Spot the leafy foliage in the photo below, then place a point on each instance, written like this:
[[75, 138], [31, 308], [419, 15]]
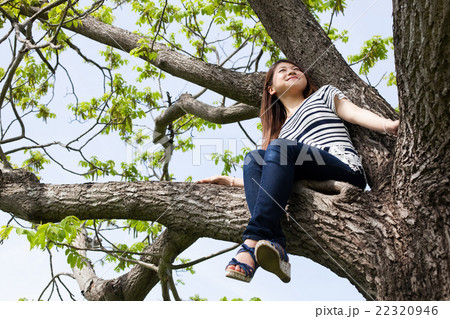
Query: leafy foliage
[[35, 162], [198, 298], [46, 236], [374, 50], [229, 161]]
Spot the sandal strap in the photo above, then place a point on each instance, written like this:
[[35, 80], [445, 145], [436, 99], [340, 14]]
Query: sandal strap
[[249, 250], [249, 270], [281, 251]]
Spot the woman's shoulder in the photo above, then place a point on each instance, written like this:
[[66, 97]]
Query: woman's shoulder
[[323, 90], [327, 87], [329, 90]]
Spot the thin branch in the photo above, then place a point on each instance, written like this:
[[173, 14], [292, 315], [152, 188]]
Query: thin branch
[[236, 3], [22, 126], [172, 287], [159, 25], [246, 134], [4, 159], [11, 73], [380, 79], [196, 96], [79, 16], [28, 41], [71, 295], [44, 59], [54, 160], [197, 261], [17, 222], [86, 59], [5, 3], [7, 35], [71, 84], [51, 272], [367, 79], [331, 18], [186, 104], [137, 262], [54, 277], [365, 56], [42, 146], [165, 290]]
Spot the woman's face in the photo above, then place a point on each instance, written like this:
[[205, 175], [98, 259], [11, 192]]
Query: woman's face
[[287, 79]]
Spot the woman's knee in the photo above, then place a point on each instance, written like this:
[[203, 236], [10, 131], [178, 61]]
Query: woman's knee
[[255, 157], [280, 150]]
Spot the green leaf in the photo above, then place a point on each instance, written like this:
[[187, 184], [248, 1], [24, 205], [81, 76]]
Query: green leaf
[[35, 162], [197, 298], [5, 231], [391, 79], [374, 50]]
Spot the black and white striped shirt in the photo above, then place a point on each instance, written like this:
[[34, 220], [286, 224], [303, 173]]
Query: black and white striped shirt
[[316, 123]]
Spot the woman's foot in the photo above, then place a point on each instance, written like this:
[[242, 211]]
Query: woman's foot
[[272, 257], [244, 257], [243, 265]]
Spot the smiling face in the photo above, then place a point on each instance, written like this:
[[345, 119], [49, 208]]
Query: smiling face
[[287, 79]]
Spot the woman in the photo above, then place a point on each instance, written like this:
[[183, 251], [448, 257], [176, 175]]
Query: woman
[[304, 138]]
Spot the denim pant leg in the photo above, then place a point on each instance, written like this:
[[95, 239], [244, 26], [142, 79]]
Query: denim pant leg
[[269, 177], [253, 164], [268, 184]]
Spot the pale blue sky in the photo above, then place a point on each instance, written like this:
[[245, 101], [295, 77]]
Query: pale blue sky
[[25, 273]]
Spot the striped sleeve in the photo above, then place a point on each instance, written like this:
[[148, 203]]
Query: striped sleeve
[[330, 92]]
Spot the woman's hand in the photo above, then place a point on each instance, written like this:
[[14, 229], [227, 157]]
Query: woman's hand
[[391, 127], [218, 179], [223, 180]]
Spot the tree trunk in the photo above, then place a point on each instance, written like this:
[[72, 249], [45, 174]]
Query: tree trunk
[[420, 198]]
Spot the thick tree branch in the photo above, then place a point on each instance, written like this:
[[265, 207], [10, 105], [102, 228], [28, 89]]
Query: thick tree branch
[[235, 85], [186, 104], [134, 285], [337, 221]]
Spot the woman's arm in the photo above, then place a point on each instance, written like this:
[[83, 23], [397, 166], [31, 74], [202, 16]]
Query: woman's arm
[[223, 180], [353, 114]]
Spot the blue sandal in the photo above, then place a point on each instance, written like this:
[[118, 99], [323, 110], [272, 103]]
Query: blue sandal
[[272, 257], [249, 271]]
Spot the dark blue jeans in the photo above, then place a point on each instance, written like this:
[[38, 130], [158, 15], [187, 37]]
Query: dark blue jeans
[[269, 177]]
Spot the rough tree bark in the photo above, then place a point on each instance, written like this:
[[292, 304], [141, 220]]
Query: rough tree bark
[[391, 242]]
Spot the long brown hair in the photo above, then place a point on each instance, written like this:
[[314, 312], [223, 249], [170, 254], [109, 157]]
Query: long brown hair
[[273, 114]]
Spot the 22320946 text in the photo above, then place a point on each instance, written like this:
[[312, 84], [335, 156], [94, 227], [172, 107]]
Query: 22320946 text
[[406, 310]]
